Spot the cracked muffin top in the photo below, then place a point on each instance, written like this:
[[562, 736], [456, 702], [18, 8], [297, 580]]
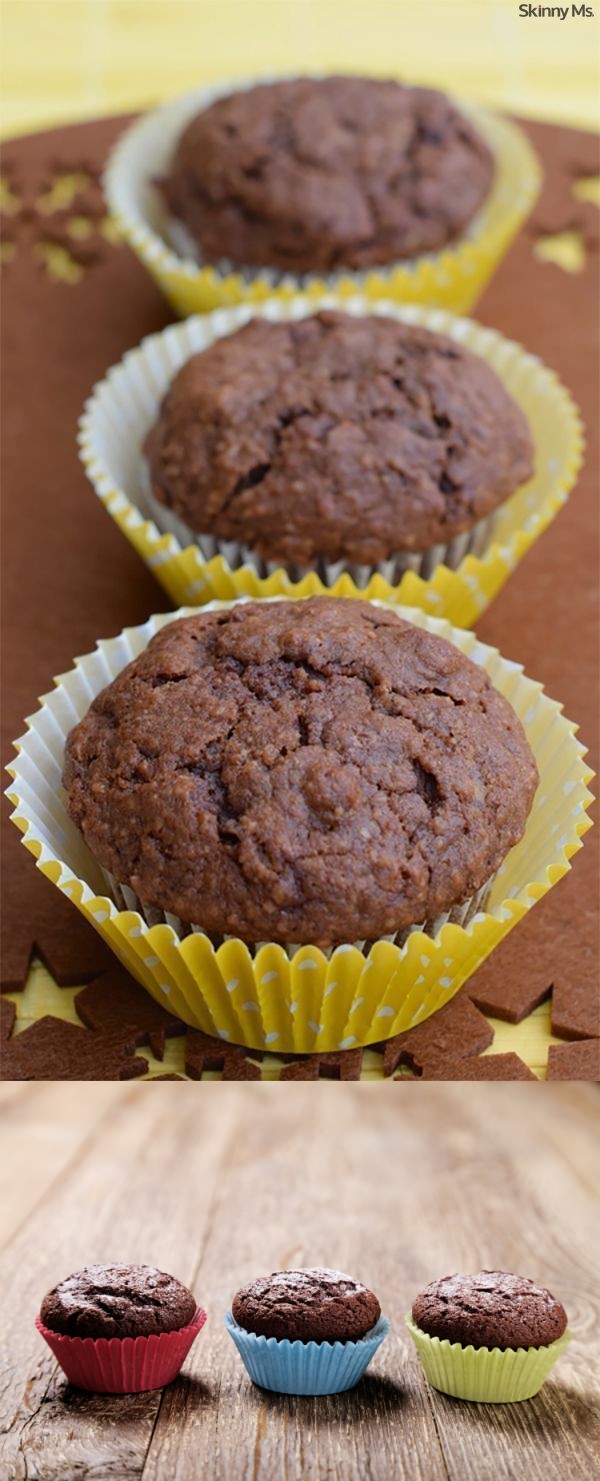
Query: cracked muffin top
[[491, 1309], [307, 1306], [317, 174], [306, 771], [336, 438], [117, 1301]]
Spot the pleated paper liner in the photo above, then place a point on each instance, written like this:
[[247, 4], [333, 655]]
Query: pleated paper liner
[[456, 581], [307, 1001], [234, 554], [460, 915], [123, 1365], [305, 1367], [451, 278], [485, 1375]]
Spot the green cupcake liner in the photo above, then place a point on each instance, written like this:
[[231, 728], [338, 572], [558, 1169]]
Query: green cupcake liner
[[485, 1375]]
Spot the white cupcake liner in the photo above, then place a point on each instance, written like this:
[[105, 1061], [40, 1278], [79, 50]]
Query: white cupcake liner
[[308, 1002], [453, 275], [236, 554], [126, 899], [111, 448]]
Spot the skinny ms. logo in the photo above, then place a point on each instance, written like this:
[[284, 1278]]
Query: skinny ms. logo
[[554, 12]]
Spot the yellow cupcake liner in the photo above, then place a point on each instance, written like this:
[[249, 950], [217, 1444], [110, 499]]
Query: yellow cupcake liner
[[453, 278], [302, 1001], [485, 1375], [111, 450]]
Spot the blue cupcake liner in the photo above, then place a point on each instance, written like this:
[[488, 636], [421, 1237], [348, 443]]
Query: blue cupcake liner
[[305, 1367]]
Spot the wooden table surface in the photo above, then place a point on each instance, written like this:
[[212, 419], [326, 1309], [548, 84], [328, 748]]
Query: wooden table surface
[[240, 1180]]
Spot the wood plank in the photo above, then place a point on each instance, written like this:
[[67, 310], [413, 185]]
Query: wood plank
[[131, 1196], [41, 1135], [574, 1135], [11, 1091], [430, 1153], [228, 1182], [531, 1211], [298, 1161]]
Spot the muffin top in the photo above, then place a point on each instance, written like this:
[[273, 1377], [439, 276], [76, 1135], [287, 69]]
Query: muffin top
[[316, 771], [316, 174], [307, 1306], [492, 1309], [336, 437], [117, 1301]]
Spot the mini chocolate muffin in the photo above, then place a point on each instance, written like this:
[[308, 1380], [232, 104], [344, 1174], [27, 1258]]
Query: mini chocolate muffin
[[316, 174], [336, 438], [306, 1306], [307, 771], [117, 1301], [492, 1309]]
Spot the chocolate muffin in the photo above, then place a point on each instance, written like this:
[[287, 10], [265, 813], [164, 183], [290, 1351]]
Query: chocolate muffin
[[336, 438], [492, 1309], [117, 1301], [316, 771], [315, 174], [307, 1306]]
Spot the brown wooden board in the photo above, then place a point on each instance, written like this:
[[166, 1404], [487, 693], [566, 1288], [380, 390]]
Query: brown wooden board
[[70, 576], [241, 1180]]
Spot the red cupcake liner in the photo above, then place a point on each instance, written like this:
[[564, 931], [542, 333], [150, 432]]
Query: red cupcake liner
[[123, 1365]]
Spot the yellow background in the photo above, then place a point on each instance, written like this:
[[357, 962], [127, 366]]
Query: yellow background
[[72, 59]]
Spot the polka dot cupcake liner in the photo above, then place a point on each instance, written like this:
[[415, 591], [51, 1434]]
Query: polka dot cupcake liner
[[300, 1001], [310, 1368], [123, 1365], [455, 580], [482, 1374], [127, 899], [451, 278]]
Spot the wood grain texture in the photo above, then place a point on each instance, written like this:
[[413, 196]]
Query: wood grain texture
[[40, 1137], [238, 1180]]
